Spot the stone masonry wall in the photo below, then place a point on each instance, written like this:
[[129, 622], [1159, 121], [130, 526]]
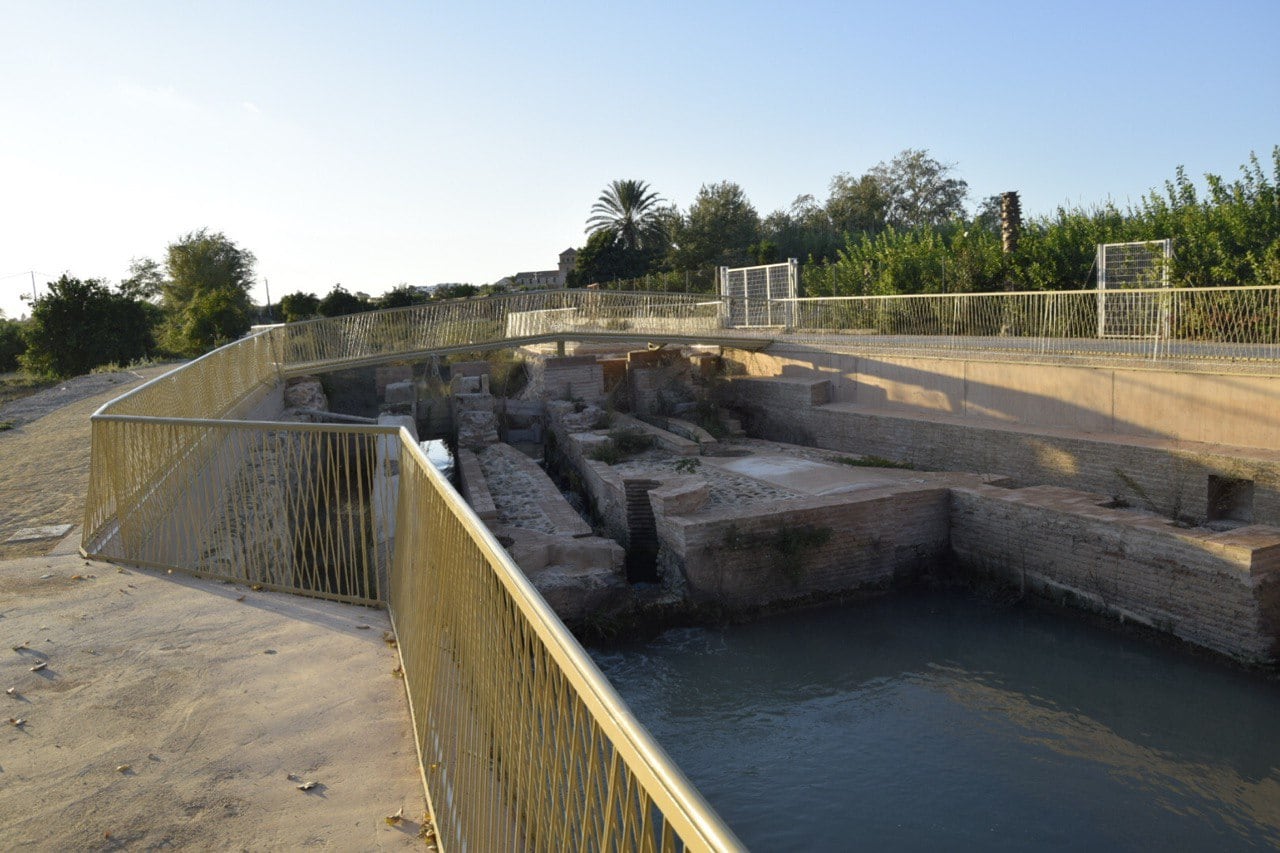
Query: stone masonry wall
[[1216, 590], [1167, 477], [807, 547]]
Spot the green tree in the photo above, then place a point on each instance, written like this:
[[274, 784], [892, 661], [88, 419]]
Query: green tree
[[629, 212], [803, 231], [206, 298], [718, 230], [918, 190], [338, 302], [12, 344], [605, 259], [857, 205], [78, 325], [401, 296], [145, 280], [299, 306], [455, 291]]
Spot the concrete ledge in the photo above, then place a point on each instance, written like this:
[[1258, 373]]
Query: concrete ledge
[[668, 441], [475, 489]]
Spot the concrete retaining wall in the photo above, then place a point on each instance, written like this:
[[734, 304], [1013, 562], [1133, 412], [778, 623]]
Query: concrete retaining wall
[[1172, 478], [1239, 410]]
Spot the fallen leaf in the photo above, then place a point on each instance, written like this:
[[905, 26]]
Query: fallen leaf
[[362, 627], [11, 691], [17, 721], [45, 577], [241, 598], [39, 666], [393, 819], [307, 786], [398, 672], [20, 647], [124, 768], [257, 587]]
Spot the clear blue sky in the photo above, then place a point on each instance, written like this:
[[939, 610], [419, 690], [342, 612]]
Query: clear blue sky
[[378, 143]]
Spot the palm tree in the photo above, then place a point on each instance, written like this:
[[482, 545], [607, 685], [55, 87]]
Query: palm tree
[[629, 210]]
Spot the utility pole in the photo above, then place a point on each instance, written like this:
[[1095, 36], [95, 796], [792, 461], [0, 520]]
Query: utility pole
[[267, 285], [33, 287]]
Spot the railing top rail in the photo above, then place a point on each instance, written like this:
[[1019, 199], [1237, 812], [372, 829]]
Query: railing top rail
[[526, 295], [1004, 293], [672, 793], [276, 426], [151, 383]]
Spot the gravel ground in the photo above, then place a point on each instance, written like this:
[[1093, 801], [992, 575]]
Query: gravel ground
[[41, 403]]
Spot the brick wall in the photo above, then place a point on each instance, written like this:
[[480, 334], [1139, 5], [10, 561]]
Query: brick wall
[[1212, 589], [808, 547]]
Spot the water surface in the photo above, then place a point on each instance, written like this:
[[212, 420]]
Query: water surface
[[931, 720]]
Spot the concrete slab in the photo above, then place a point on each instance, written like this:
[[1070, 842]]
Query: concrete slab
[[810, 477], [47, 531], [173, 712]]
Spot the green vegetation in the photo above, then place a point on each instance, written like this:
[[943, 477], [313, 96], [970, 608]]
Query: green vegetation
[[12, 344], [902, 227], [78, 325], [206, 296], [871, 462], [622, 444], [688, 464]]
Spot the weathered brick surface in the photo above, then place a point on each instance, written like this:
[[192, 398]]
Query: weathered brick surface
[[1217, 590], [573, 378], [816, 545], [1198, 585], [475, 489]]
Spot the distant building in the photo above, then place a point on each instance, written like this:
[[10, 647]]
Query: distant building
[[546, 279]]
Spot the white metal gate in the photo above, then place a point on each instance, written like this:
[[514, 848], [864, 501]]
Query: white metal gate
[[1141, 267], [752, 295]]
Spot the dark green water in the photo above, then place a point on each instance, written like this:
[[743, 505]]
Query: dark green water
[[939, 721]]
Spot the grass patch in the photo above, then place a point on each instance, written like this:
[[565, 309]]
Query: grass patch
[[15, 386], [6, 425], [872, 462], [621, 445]]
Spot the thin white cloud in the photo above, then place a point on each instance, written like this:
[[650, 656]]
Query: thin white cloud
[[251, 107]]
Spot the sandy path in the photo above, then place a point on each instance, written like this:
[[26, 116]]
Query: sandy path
[[44, 462], [210, 701]]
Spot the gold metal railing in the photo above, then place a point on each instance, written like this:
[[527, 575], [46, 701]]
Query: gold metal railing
[[1236, 324], [524, 744]]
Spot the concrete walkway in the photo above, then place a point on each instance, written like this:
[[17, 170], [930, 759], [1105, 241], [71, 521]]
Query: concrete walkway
[[175, 712]]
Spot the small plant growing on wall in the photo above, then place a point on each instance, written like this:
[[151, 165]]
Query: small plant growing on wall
[[791, 543], [622, 444], [630, 442], [872, 462], [688, 464]]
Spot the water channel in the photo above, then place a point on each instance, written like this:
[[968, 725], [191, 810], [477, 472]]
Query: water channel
[[932, 720]]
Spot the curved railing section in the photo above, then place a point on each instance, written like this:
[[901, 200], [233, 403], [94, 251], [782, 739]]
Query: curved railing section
[[523, 743]]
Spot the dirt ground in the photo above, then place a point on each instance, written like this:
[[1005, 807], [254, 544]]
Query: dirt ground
[[176, 712], [44, 458]]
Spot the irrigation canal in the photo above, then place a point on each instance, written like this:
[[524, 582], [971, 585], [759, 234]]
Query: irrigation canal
[[942, 720]]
